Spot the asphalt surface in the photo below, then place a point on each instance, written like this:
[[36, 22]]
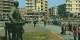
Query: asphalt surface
[[41, 28]]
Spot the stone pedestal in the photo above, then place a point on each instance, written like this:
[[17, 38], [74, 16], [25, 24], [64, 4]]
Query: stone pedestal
[[15, 29], [0, 38]]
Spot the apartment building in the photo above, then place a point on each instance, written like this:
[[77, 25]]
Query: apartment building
[[5, 6], [61, 10], [44, 6], [35, 8], [22, 11], [53, 11], [73, 8]]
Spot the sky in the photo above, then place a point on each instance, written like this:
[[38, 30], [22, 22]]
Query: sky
[[51, 3]]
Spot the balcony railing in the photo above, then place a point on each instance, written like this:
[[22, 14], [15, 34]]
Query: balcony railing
[[6, 9], [29, 3]]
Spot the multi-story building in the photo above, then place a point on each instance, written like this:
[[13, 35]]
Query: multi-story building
[[53, 11], [22, 11], [73, 8], [62, 10], [35, 8], [44, 6], [5, 6]]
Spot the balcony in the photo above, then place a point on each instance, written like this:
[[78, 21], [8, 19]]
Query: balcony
[[1, 6], [6, 3], [46, 1], [6, 9], [46, 4], [29, 6], [29, 3], [6, 6], [41, 7]]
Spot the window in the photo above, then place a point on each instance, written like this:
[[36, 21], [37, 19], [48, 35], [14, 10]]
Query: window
[[30, 4], [78, 9], [69, 9], [69, 5], [27, 0], [6, 11], [30, 7], [45, 10], [30, 0]]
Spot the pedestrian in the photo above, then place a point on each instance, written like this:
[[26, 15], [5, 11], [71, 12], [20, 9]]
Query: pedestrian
[[63, 29], [75, 31], [79, 32], [45, 23], [70, 28], [35, 23]]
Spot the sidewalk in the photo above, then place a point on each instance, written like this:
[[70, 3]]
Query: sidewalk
[[57, 29]]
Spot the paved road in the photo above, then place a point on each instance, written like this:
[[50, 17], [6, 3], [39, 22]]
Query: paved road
[[31, 28], [39, 28], [57, 29]]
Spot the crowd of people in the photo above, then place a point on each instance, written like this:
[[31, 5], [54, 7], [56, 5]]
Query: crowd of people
[[71, 28], [75, 29]]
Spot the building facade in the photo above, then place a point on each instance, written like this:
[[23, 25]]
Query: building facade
[[73, 8], [5, 6], [35, 8], [62, 10], [22, 11], [53, 11]]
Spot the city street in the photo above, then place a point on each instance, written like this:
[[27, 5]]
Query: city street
[[39, 20], [34, 31], [55, 29]]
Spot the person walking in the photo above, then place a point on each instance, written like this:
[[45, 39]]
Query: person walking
[[79, 32], [70, 28], [35, 22], [44, 23], [63, 29], [75, 31]]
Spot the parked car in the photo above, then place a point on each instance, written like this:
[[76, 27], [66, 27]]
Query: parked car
[[56, 22]]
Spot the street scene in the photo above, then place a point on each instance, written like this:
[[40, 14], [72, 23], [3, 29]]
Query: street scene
[[39, 20]]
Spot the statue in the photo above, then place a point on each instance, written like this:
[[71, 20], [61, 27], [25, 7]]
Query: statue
[[15, 26]]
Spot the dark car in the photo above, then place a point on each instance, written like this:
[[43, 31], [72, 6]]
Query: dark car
[[56, 22]]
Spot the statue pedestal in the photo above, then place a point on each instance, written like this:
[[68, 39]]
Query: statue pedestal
[[0, 38], [14, 28]]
